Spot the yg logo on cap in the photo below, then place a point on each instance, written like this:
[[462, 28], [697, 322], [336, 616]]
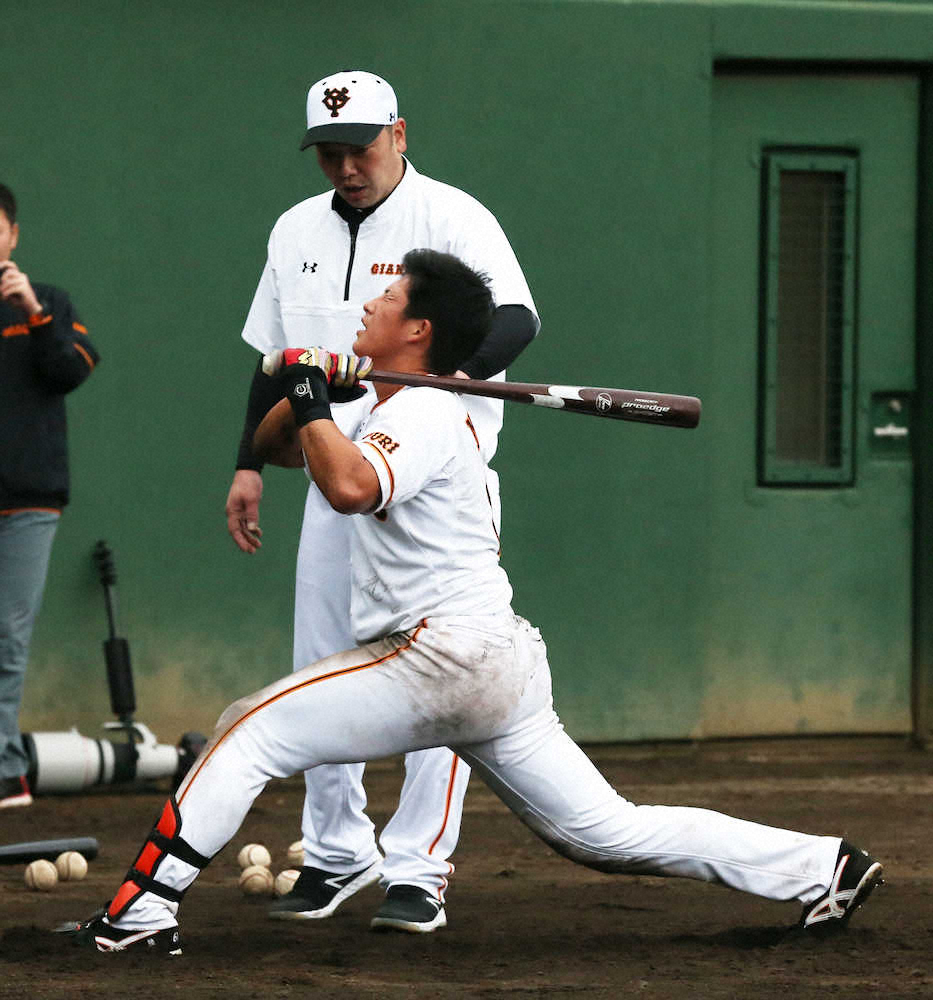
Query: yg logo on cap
[[334, 100]]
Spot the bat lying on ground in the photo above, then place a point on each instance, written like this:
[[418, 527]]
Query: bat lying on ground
[[31, 850], [275, 440]]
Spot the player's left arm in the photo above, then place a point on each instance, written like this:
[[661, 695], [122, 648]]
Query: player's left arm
[[347, 480]]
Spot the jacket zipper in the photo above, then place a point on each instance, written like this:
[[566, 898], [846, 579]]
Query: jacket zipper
[[354, 229]]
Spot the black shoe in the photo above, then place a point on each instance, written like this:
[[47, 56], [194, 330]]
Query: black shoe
[[96, 932], [317, 893], [14, 792], [857, 873], [409, 908]]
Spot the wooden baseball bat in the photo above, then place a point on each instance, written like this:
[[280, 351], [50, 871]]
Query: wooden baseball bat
[[31, 850], [275, 441], [617, 404]]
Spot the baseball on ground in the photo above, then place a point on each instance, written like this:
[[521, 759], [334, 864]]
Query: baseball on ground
[[71, 866], [284, 881], [296, 853], [256, 880], [254, 854], [41, 875]]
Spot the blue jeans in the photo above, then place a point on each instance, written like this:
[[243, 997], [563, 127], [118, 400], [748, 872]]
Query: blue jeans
[[25, 546]]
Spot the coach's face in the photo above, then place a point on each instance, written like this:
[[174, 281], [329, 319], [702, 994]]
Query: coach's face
[[364, 175], [386, 330]]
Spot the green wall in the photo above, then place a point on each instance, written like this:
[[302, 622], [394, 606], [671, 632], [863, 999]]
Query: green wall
[[153, 145]]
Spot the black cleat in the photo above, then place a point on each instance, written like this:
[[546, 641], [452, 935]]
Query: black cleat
[[409, 908], [98, 933], [857, 873], [317, 893]]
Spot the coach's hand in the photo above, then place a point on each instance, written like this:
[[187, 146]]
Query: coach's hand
[[242, 510]]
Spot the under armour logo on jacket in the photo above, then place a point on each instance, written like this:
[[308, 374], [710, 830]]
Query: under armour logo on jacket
[[309, 267]]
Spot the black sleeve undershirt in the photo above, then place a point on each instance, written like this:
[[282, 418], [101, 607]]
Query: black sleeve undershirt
[[264, 393], [513, 329]]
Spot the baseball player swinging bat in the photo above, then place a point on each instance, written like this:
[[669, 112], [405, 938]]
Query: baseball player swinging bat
[[618, 404]]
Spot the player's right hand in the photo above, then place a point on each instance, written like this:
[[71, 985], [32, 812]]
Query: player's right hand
[[242, 510], [349, 369]]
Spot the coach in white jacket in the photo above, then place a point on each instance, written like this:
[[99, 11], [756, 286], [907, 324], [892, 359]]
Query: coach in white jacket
[[326, 257]]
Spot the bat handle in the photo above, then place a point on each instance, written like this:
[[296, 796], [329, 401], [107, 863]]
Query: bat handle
[[271, 363]]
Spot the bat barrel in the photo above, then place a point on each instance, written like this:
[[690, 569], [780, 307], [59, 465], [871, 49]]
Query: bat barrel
[[643, 407]]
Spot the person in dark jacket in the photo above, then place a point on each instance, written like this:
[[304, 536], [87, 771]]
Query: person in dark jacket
[[45, 352]]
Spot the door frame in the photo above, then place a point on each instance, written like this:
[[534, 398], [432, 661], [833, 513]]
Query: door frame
[[922, 424]]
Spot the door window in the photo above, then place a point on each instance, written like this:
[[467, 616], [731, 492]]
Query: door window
[[808, 318]]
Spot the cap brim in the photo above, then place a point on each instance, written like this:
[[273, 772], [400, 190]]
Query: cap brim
[[353, 134]]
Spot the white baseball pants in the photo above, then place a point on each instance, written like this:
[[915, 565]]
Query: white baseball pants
[[336, 833], [483, 687]]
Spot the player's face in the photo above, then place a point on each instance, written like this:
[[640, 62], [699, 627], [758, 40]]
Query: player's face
[[364, 175], [8, 236], [385, 325]]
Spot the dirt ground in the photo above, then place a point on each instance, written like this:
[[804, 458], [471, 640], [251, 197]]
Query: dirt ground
[[522, 921]]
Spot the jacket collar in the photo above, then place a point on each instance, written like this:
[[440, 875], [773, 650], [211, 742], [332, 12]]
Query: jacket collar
[[354, 217]]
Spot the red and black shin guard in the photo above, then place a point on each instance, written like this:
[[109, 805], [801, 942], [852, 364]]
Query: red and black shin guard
[[164, 839]]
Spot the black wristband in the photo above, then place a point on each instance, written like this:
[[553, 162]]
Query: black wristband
[[306, 388]]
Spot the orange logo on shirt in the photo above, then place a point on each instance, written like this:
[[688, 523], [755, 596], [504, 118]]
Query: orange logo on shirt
[[383, 440], [387, 269]]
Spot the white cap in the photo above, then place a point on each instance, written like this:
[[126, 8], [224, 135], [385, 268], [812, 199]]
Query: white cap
[[352, 106]]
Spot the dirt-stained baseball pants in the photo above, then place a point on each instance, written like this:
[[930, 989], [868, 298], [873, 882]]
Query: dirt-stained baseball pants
[[482, 686]]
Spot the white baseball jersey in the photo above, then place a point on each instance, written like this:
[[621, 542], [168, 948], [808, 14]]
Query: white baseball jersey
[[434, 503], [316, 278]]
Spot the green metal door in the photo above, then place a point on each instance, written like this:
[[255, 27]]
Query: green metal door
[[813, 233]]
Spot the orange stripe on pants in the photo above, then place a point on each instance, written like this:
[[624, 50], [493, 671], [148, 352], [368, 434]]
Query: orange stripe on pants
[[209, 751], [450, 792]]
